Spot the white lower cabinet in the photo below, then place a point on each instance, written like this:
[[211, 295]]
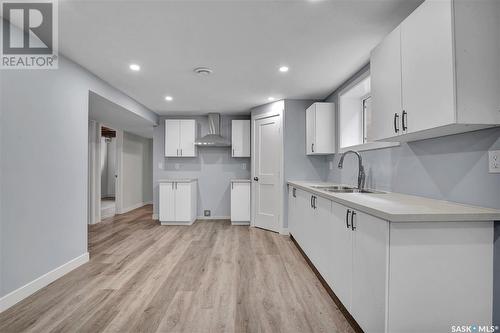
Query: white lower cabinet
[[397, 277], [369, 271], [240, 202], [177, 202]]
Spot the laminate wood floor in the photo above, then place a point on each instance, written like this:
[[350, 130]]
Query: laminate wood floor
[[208, 277]]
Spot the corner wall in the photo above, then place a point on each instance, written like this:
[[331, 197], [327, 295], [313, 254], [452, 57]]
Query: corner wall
[[137, 179], [44, 154]]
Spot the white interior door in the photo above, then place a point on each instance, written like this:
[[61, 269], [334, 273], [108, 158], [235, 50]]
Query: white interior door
[[267, 165]]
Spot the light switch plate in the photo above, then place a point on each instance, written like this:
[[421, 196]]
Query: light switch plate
[[160, 165], [494, 161], [331, 165]]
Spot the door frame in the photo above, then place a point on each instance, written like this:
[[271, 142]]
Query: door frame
[[276, 109], [94, 172]]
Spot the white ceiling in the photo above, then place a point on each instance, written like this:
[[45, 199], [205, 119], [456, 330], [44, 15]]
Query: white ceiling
[[244, 42], [116, 117]]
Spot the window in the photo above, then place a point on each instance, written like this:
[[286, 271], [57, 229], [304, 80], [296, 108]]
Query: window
[[355, 115]]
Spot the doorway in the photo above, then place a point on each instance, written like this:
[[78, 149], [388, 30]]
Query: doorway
[[267, 172], [108, 172]]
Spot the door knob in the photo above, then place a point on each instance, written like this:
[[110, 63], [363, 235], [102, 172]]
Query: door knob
[[256, 179]]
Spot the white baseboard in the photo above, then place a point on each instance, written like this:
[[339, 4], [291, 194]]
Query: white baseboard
[[213, 218], [177, 223], [154, 216], [240, 222], [137, 205], [30, 288]]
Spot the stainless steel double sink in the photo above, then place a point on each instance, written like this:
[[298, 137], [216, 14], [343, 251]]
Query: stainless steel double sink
[[343, 189]]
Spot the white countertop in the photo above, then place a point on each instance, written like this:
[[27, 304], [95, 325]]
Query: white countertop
[[178, 180], [240, 180], [397, 207]]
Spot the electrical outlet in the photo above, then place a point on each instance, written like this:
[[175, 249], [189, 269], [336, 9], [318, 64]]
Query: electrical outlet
[[243, 166], [331, 165], [177, 166], [160, 165], [206, 212], [494, 161]]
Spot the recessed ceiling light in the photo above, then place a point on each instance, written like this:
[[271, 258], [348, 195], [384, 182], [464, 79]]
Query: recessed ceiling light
[[135, 67], [283, 69], [271, 98], [168, 98]]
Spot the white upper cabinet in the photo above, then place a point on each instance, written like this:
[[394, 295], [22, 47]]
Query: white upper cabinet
[[427, 67], [240, 138], [444, 61], [320, 129], [180, 135], [385, 71]]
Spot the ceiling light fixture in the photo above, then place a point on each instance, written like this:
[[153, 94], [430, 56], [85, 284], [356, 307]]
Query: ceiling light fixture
[[135, 67], [168, 98], [271, 98], [284, 69]]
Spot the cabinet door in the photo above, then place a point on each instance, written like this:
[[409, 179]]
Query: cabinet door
[[240, 138], [370, 271], [240, 202], [427, 66], [324, 128], [310, 129], [187, 137], [302, 212], [340, 274], [385, 76], [321, 228], [167, 202], [172, 136], [182, 202]]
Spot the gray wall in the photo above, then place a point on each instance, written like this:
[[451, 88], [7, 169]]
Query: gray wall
[[213, 167], [452, 168], [43, 149], [137, 180]]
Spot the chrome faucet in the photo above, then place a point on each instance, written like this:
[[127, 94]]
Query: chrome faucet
[[361, 169]]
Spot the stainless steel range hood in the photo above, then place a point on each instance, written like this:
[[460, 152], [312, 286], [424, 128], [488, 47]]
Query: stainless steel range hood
[[213, 138]]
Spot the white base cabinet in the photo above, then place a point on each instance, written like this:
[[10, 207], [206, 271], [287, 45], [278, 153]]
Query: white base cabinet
[[178, 202], [240, 202], [397, 277]]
